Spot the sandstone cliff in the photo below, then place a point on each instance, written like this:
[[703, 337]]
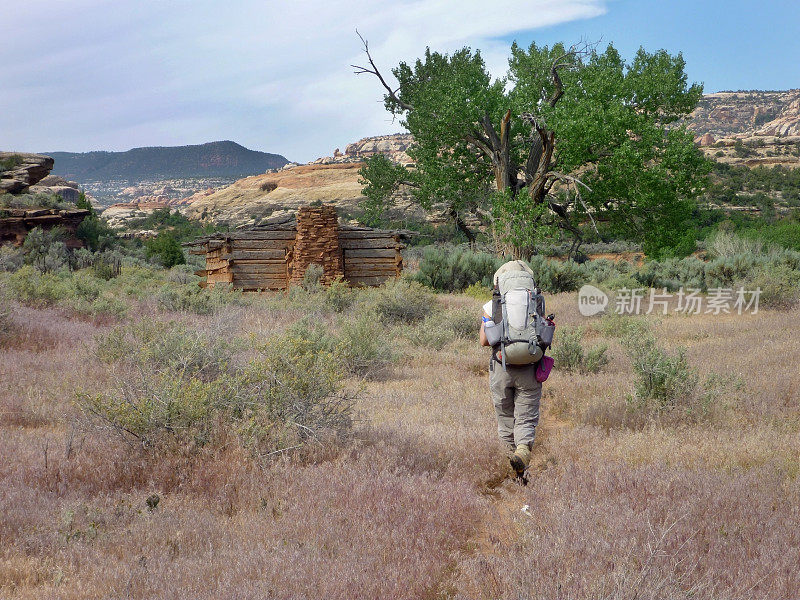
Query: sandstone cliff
[[750, 128]]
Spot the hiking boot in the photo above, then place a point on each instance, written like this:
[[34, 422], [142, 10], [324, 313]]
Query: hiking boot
[[520, 459]]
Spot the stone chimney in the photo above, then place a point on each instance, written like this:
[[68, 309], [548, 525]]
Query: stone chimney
[[317, 242]]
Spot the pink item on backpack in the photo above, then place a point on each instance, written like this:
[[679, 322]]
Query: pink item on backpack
[[543, 368]]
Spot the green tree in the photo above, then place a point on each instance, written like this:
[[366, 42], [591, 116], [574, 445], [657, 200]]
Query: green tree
[[166, 248], [93, 231], [569, 136]]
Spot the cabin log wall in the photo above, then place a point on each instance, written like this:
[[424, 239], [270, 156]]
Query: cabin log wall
[[277, 257]]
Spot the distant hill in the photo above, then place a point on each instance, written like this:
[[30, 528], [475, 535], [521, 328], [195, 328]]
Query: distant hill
[[215, 159]]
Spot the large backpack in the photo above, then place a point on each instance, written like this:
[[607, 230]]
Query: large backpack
[[521, 333]]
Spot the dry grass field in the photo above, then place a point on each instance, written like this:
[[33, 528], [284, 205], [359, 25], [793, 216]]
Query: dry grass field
[[624, 502]]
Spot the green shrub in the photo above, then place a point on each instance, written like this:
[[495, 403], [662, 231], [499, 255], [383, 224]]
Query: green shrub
[[46, 250], [290, 395], [780, 287], [553, 276], [453, 269], [662, 381], [5, 317], [182, 274], [11, 258], [95, 233], [401, 301], [172, 384], [364, 345], [617, 325], [158, 409], [431, 333], [463, 322], [570, 355], [189, 297], [479, 292], [595, 359], [37, 288], [567, 349], [314, 332], [107, 305], [169, 347], [10, 163], [338, 296]]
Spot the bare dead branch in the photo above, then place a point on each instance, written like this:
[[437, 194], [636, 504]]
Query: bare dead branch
[[576, 50], [576, 182], [359, 70]]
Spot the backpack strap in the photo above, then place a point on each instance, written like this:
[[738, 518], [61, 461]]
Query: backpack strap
[[497, 313], [504, 336]]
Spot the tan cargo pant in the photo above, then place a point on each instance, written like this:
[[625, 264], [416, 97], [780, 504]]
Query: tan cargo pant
[[516, 395]]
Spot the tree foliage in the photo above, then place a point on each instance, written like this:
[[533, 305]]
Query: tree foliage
[[568, 137], [167, 249]]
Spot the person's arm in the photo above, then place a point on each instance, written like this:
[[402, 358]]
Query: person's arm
[[484, 341]]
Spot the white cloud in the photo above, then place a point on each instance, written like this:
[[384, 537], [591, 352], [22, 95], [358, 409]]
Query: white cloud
[[275, 76]]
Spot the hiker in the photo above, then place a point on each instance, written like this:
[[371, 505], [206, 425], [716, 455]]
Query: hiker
[[514, 374]]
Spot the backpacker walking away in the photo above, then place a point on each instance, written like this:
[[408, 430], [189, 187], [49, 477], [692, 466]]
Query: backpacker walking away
[[515, 327]]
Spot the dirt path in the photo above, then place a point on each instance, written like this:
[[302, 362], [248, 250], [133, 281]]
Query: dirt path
[[507, 498]]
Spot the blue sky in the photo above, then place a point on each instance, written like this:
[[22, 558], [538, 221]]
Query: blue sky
[[727, 44], [275, 75]]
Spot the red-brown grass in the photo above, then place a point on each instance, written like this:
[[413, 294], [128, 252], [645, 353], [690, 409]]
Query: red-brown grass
[[621, 505]]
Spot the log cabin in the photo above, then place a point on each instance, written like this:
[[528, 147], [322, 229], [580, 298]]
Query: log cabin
[[275, 256]]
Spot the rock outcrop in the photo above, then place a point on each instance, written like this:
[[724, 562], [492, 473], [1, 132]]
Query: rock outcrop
[[69, 191], [22, 178], [392, 146], [119, 215], [20, 170], [15, 223]]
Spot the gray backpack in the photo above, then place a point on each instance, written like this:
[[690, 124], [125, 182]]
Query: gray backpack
[[520, 333]]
